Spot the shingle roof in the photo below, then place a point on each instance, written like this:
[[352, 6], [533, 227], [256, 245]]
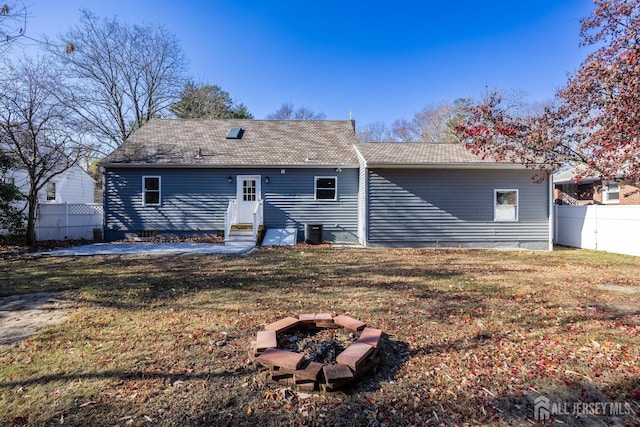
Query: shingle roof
[[421, 154], [177, 142], [568, 176]]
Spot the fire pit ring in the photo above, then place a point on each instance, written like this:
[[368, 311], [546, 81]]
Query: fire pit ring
[[294, 369]]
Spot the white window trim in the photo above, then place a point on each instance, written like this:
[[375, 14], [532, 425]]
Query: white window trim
[[144, 177], [495, 204], [605, 194], [315, 188], [55, 191]]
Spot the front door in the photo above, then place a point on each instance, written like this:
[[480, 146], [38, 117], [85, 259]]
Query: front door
[[248, 195]]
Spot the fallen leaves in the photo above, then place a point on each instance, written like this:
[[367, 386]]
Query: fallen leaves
[[471, 337]]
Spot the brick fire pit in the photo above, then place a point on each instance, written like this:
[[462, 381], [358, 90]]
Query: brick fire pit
[[294, 369]]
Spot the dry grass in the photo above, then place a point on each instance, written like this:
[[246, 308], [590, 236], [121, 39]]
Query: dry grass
[[472, 337]]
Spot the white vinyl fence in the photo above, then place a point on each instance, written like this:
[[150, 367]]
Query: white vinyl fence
[[72, 221], [603, 228]]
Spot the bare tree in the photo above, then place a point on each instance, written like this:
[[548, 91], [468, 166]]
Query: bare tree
[[13, 22], [432, 124], [374, 132], [119, 76], [35, 126], [287, 111]]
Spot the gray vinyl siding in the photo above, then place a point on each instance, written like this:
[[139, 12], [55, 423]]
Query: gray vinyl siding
[[194, 201], [454, 208], [289, 203], [191, 201]]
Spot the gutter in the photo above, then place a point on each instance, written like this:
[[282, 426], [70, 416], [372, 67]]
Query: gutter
[[223, 166], [470, 165]]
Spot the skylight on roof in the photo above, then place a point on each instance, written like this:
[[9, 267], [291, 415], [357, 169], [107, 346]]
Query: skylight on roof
[[235, 133]]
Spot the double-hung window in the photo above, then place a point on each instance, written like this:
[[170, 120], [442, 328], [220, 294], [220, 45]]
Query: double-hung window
[[150, 190], [326, 187], [505, 204], [51, 191], [611, 192]]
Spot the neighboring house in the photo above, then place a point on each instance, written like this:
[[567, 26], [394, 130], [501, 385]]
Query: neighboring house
[[213, 177], [74, 185], [592, 191]]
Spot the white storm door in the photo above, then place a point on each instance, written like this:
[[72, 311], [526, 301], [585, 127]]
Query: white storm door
[[248, 195]]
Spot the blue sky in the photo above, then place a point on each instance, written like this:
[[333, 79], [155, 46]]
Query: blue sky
[[383, 60]]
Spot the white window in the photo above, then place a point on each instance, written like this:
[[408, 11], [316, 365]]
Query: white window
[[505, 204], [326, 187], [51, 191], [150, 190], [611, 192]]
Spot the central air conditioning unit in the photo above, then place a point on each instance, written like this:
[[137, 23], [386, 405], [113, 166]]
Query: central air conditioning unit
[[313, 233]]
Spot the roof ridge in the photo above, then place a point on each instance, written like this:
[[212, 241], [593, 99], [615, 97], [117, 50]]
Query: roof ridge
[[249, 120], [412, 142]]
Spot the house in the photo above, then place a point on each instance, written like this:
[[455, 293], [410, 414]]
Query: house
[[55, 203], [591, 190], [185, 177], [418, 194], [201, 177], [596, 215], [74, 185]]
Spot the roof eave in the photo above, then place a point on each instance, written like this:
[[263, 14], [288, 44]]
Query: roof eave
[[463, 165], [227, 166], [571, 181]]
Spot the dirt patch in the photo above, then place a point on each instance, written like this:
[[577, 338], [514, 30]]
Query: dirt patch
[[23, 315]]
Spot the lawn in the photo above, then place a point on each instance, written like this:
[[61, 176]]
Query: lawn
[[470, 337]]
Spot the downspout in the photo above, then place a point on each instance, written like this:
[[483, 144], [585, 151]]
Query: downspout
[[104, 204], [362, 198], [365, 207]]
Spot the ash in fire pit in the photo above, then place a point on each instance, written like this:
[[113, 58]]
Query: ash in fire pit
[[317, 351], [322, 345]]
